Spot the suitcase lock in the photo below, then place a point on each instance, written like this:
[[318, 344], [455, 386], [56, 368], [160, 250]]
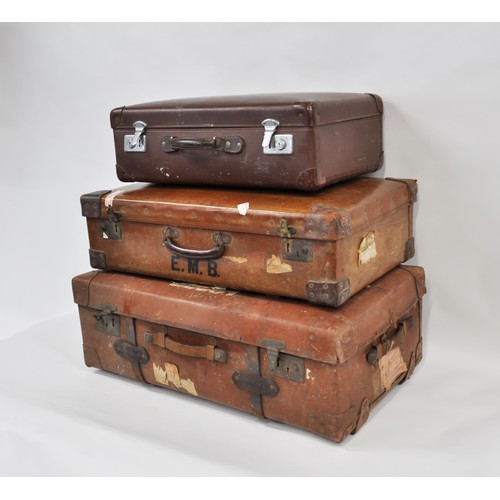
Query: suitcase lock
[[284, 365], [136, 143], [275, 144]]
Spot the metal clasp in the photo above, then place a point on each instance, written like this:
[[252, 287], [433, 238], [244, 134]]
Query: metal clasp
[[108, 322], [275, 144], [269, 129], [284, 365], [136, 143]]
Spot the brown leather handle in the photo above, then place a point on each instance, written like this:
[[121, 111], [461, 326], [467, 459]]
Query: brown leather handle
[[377, 351], [209, 352], [211, 253], [225, 144]]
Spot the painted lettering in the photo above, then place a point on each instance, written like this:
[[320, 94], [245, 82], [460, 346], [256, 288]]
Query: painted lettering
[[193, 266], [212, 268], [174, 262]]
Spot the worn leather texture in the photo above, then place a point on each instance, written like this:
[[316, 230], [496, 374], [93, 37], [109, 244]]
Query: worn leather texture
[[323, 247], [307, 366], [336, 136]]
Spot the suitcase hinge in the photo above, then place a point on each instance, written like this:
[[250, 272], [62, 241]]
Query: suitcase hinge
[[255, 384], [135, 354], [136, 143], [284, 365], [275, 144]]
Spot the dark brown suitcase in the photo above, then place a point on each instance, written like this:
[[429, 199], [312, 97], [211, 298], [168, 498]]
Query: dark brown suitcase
[[321, 247], [312, 367], [296, 141]]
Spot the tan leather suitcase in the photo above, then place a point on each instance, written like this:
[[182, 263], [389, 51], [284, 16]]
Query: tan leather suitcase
[[312, 367], [322, 247], [299, 141]]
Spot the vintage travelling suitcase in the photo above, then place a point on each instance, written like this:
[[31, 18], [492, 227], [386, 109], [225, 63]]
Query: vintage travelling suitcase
[[294, 141], [321, 247], [313, 367]]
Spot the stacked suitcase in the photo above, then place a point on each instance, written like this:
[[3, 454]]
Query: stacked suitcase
[[260, 270]]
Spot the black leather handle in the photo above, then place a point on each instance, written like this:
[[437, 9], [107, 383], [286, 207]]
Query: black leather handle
[[227, 144], [212, 253]]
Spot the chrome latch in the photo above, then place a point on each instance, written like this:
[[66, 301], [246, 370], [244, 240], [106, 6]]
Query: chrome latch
[[136, 143], [275, 144]]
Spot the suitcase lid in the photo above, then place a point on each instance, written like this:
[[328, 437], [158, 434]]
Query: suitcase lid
[[330, 214], [291, 110], [301, 329]]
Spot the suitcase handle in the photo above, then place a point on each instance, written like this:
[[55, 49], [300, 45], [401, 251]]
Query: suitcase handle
[[212, 253], [209, 352], [226, 144]]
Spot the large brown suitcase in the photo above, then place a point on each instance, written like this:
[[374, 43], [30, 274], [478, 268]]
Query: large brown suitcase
[[295, 141], [321, 247], [308, 366]]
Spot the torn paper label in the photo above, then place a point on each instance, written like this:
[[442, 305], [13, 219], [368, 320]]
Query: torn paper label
[[170, 375], [243, 208], [391, 366], [275, 266], [237, 260], [367, 250], [202, 288]]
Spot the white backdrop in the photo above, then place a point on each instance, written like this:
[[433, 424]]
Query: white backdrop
[[440, 84]]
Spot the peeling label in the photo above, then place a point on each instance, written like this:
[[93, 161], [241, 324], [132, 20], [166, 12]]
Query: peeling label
[[275, 266], [367, 250], [238, 260], [391, 366], [170, 376], [243, 208], [203, 288]]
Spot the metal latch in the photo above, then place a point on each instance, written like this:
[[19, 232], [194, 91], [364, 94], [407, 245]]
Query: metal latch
[[136, 143], [107, 322], [284, 365], [110, 229], [275, 144], [284, 230]]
